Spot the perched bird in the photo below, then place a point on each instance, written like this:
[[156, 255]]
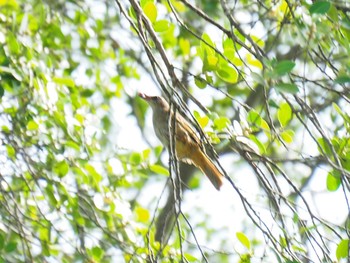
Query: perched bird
[[188, 147]]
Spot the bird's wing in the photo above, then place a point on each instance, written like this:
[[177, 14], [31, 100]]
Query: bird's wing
[[184, 132]]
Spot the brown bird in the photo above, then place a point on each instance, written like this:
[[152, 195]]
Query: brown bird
[[188, 146]]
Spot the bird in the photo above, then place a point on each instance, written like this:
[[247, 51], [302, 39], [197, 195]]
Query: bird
[[188, 146]]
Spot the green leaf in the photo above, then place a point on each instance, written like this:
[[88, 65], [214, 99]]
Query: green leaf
[[254, 117], [10, 247], [2, 92], [150, 10], [283, 67], [161, 25], [333, 181], [342, 249], [243, 239], [185, 46], [261, 146], [342, 79], [64, 81], [212, 60], [200, 83], [221, 123], [287, 136], [320, 7], [190, 258], [32, 126], [49, 192], [207, 44], [158, 169], [87, 93], [203, 121], [72, 145], [61, 168], [97, 253], [146, 153], [227, 73], [11, 152], [2, 242], [325, 149], [13, 44], [135, 158], [287, 87], [337, 108], [284, 114], [142, 214]]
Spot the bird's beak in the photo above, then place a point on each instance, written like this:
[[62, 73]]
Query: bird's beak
[[144, 96]]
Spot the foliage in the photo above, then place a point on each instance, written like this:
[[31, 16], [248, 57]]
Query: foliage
[[269, 82]]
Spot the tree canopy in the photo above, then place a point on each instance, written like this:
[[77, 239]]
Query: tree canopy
[[266, 84]]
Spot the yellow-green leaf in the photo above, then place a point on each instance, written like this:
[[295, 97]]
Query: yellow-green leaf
[[150, 10], [254, 62], [185, 46], [243, 239], [64, 81], [287, 136], [142, 214], [333, 181], [11, 152], [61, 168], [32, 126], [158, 169], [343, 249], [284, 114], [161, 25], [227, 73]]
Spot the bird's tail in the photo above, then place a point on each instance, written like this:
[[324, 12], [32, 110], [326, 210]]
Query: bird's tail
[[208, 168]]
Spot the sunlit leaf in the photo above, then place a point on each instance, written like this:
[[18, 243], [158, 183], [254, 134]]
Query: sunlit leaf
[[32, 126], [261, 146], [97, 253], [284, 114], [73, 145], [190, 258], [150, 10], [203, 121], [343, 249], [287, 136], [135, 158], [243, 239], [142, 214], [185, 46], [212, 61], [61, 168], [227, 73], [11, 152], [254, 62], [158, 169], [64, 81], [333, 181], [221, 123], [161, 25]]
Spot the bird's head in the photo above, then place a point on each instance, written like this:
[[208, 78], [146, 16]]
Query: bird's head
[[156, 102]]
